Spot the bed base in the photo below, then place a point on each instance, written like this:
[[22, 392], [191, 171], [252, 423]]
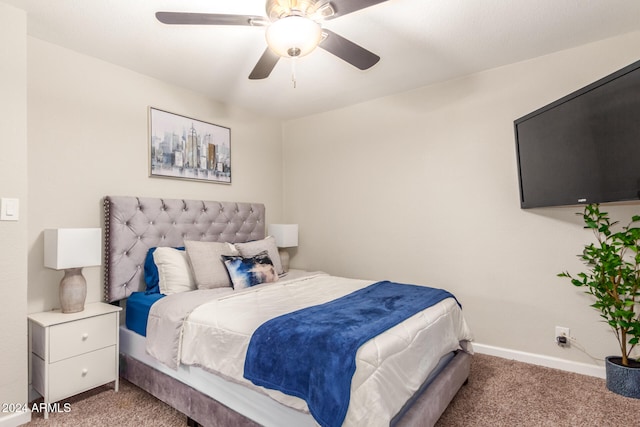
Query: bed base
[[199, 408], [196, 405], [429, 405]]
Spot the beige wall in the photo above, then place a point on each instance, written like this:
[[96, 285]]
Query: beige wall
[[422, 187], [13, 235], [88, 137]]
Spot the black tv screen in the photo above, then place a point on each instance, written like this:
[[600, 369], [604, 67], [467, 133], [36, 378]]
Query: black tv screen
[[584, 147]]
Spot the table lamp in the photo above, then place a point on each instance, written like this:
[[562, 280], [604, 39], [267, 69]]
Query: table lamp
[[286, 236], [71, 249]]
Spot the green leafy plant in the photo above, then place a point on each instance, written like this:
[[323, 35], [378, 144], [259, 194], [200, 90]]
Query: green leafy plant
[[613, 275]]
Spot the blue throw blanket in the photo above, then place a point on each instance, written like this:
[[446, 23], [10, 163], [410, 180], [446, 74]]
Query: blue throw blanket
[[310, 353]]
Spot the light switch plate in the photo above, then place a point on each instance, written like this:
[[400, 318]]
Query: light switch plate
[[9, 209]]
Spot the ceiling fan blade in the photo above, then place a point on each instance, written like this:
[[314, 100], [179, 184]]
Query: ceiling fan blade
[[185, 18], [348, 51], [265, 65], [344, 7]]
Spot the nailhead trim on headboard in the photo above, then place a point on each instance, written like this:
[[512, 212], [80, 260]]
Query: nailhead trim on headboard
[[133, 225], [105, 235]]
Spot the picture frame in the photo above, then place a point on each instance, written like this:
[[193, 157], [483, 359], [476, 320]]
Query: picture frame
[[182, 147]]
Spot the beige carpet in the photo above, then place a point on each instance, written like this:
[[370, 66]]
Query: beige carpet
[[507, 393], [499, 393]]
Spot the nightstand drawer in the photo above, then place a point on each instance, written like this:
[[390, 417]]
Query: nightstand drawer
[[82, 336], [81, 373]]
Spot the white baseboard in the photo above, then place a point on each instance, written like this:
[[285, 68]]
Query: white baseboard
[[541, 360], [15, 419]]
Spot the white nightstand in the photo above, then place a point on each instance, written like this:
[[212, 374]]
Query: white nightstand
[[72, 353]]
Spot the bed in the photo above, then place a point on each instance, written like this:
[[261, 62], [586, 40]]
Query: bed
[[166, 342]]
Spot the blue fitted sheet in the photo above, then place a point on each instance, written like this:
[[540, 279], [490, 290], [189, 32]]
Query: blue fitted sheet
[[138, 306]]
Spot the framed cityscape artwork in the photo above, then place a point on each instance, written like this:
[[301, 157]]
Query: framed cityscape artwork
[[185, 148]]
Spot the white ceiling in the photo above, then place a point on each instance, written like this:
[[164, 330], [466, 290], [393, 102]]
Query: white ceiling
[[420, 42]]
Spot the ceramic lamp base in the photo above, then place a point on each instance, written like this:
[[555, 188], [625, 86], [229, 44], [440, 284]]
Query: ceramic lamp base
[[73, 291], [284, 259]]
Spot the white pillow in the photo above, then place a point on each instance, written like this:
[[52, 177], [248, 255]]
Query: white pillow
[[250, 249], [174, 271]]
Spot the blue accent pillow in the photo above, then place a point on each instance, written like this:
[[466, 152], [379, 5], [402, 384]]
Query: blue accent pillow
[[250, 271], [151, 277]]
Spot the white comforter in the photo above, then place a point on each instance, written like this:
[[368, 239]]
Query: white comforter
[[389, 368]]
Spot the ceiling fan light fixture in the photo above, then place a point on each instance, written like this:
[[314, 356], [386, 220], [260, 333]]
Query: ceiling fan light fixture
[[293, 36]]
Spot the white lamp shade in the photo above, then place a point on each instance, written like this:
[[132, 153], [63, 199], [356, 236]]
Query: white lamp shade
[[72, 247], [293, 36], [286, 235]]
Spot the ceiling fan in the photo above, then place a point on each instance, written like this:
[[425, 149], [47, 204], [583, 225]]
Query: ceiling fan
[[293, 29]]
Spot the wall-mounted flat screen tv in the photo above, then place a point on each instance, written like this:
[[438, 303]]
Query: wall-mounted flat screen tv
[[584, 147]]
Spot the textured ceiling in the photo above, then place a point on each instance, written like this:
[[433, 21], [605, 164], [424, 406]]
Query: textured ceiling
[[420, 42]]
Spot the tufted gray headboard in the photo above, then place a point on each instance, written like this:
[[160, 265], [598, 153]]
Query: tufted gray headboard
[[132, 225]]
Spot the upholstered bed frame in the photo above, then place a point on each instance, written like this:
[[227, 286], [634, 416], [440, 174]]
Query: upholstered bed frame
[[132, 225]]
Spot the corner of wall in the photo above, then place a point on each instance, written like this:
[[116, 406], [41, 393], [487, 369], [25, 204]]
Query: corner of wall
[[13, 234]]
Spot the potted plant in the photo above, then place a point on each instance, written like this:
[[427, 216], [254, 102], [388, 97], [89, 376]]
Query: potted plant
[[613, 279]]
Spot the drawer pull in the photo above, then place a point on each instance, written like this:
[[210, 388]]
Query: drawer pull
[[84, 372], [85, 336]]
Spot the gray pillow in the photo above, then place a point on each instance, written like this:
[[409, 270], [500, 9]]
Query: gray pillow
[[250, 249], [206, 262]]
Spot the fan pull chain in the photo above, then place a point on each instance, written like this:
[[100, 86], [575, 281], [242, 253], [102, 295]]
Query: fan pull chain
[[293, 71]]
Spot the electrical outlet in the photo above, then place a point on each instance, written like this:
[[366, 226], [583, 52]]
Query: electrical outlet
[[563, 336]]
